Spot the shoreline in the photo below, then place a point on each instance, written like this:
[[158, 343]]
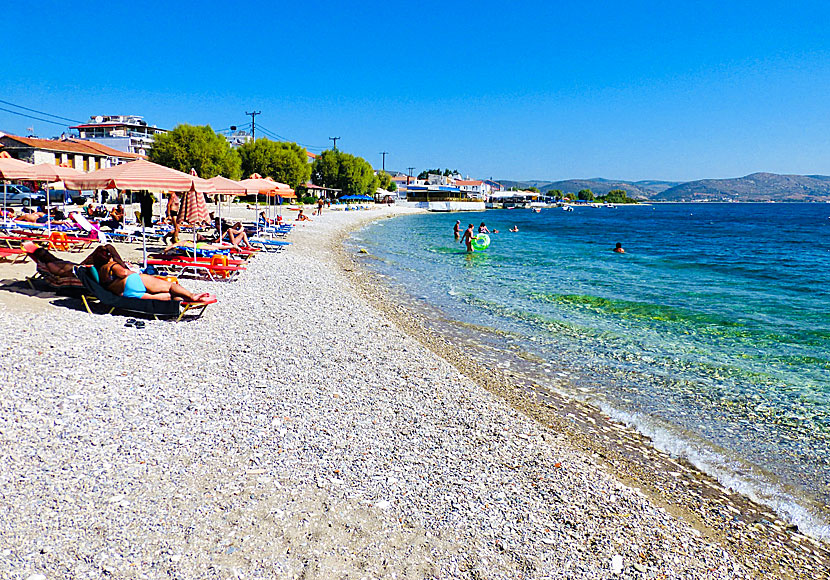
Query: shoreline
[[752, 531], [281, 436]]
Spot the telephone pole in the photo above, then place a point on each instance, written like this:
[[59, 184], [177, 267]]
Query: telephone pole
[[253, 123], [384, 153], [335, 141], [408, 177]]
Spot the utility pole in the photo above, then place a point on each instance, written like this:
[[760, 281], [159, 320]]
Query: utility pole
[[384, 153], [335, 141], [253, 123], [408, 177]]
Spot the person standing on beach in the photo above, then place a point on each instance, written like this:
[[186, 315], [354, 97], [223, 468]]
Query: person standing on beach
[[456, 229], [468, 238], [320, 204]]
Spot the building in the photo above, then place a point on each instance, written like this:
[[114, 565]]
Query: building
[[80, 155], [237, 138], [128, 133], [473, 187]]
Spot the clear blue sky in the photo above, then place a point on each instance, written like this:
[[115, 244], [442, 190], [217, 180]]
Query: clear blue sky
[[533, 90]]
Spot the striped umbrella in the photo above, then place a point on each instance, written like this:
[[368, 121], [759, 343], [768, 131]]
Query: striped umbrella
[[140, 175]]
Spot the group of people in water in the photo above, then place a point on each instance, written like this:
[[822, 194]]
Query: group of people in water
[[468, 235]]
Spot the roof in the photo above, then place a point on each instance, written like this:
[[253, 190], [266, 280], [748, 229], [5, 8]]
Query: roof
[[468, 182], [310, 154], [71, 146]]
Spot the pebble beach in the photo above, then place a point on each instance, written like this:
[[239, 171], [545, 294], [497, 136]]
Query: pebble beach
[[303, 429]]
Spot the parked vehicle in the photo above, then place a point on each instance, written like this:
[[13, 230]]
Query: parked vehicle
[[68, 196], [20, 194]]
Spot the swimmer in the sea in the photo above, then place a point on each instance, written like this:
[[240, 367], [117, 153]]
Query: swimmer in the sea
[[619, 248], [468, 238], [514, 229], [456, 229]]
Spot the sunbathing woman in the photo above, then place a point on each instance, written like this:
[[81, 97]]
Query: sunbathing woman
[[54, 265], [118, 278], [237, 236]]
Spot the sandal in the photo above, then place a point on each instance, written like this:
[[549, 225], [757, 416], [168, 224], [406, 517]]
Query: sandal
[[131, 322]]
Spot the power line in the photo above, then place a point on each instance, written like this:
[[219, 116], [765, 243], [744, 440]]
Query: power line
[[39, 112], [33, 117]]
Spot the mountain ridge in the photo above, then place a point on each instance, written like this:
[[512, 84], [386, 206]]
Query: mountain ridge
[[760, 186]]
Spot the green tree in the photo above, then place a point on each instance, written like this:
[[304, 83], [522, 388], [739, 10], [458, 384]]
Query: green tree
[[349, 173], [585, 194], [385, 181], [617, 196], [195, 147], [445, 172], [557, 193], [284, 162], [534, 189]]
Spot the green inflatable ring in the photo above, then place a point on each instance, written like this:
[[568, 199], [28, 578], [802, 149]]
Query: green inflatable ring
[[480, 242]]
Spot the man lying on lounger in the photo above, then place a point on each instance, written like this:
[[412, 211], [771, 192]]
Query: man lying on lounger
[[116, 276]]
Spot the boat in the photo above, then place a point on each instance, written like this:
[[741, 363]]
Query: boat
[[567, 208]]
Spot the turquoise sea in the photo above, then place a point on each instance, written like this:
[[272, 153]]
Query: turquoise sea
[[711, 334]]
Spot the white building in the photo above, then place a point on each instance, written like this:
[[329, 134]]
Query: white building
[[128, 133]]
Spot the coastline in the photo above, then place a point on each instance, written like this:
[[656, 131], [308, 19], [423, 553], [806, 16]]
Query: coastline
[[281, 436], [751, 531]]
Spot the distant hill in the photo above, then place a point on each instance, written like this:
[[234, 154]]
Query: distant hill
[[754, 187], [599, 186]]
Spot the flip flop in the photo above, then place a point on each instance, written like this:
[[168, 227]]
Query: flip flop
[[140, 324], [29, 246]]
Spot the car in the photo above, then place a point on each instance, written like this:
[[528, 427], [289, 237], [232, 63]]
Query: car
[[68, 196], [21, 194]]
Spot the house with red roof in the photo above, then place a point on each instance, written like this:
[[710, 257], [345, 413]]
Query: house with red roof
[[80, 155]]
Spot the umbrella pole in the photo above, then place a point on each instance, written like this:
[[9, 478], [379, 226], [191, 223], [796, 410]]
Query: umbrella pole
[[256, 213], [48, 213], [144, 241], [220, 218], [5, 194]]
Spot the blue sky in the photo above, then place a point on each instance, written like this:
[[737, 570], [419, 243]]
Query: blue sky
[[535, 90]]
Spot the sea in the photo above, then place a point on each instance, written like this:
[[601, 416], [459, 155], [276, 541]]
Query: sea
[[710, 334]]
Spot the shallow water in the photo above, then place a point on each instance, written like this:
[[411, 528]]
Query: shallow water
[[710, 334]]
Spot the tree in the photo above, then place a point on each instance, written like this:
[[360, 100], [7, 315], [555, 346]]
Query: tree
[[195, 147], [556, 193], [534, 189], [349, 173], [445, 172], [585, 194], [284, 162], [617, 196], [385, 181]]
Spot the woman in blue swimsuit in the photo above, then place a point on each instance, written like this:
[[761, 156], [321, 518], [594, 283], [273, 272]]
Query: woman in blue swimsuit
[[116, 277]]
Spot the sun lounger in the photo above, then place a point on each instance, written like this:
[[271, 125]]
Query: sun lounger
[[154, 308], [197, 268], [269, 245], [13, 255]]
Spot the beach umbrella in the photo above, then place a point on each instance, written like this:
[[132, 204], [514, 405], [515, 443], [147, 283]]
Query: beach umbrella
[[140, 175], [193, 209], [226, 187], [13, 169], [47, 172], [260, 185]]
